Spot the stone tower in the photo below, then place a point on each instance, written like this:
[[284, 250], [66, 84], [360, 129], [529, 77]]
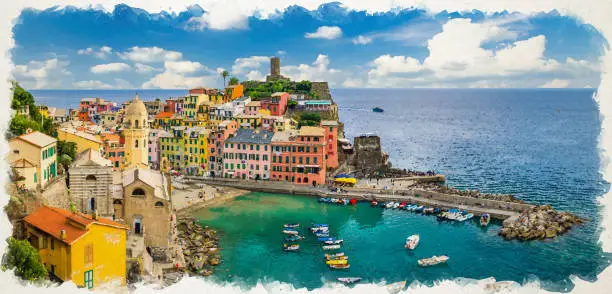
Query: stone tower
[[275, 66], [136, 133]]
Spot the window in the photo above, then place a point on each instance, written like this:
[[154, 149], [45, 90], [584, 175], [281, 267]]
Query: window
[[136, 143], [88, 279], [314, 160], [138, 192], [52, 244], [89, 258], [159, 204]]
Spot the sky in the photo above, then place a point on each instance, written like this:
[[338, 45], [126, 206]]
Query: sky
[[129, 48]]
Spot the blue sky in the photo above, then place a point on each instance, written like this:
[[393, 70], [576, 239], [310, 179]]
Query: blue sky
[[129, 48]]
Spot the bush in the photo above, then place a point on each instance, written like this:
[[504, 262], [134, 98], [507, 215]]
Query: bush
[[24, 259]]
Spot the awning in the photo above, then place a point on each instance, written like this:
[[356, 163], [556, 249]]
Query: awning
[[346, 180]]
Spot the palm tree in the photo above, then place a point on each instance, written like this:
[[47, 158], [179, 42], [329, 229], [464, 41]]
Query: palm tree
[[233, 81], [224, 74]]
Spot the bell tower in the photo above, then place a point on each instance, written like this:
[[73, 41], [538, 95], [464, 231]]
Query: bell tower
[[136, 134]]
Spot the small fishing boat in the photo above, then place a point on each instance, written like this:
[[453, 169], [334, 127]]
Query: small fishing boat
[[350, 280], [324, 239], [396, 205], [291, 225], [396, 287], [453, 214], [328, 256], [290, 232], [374, 203], [331, 247], [294, 238], [442, 215], [292, 247], [337, 258], [433, 260], [464, 216], [320, 230], [378, 109], [353, 201], [437, 210], [332, 242], [428, 210], [322, 234], [320, 225], [419, 208], [485, 218], [402, 205], [323, 199], [389, 204], [339, 266], [382, 204], [412, 242], [336, 261]]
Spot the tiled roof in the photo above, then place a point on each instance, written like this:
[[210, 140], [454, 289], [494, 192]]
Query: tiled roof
[[91, 157], [312, 131], [279, 94], [52, 221], [150, 177], [251, 136], [329, 123], [37, 138], [254, 103], [284, 136], [164, 114]]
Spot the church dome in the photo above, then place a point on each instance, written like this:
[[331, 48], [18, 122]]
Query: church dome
[[136, 108]]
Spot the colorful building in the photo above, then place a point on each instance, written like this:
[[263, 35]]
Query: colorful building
[[233, 92], [191, 105], [203, 90], [252, 108], [174, 105], [277, 104], [136, 134], [299, 156], [38, 150], [331, 139], [248, 121], [113, 149], [82, 139], [216, 142], [185, 149], [87, 250], [247, 154], [154, 147]]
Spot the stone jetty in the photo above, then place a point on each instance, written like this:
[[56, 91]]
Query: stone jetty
[[540, 222], [200, 246]]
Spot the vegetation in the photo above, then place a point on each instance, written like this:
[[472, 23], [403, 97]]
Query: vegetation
[[66, 153], [258, 90], [309, 119], [292, 104], [34, 120], [24, 259], [224, 75], [234, 81]]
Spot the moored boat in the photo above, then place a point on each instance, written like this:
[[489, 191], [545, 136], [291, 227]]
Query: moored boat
[[485, 218], [291, 225], [294, 238], [378, 109], [340, 266], [428, 210], [389, 204], [320, 225], [337, 257], [402, 205], [331, 247], [374, 203], [322, 234], [332, 255], [290, 232], [349, 280], [464, 216], [336, 261], [419, 208], [332, 242], [292, 247], [324, 239], [412, 242], [433, 260]]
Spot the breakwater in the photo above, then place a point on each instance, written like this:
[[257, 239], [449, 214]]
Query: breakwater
[[497, 209]]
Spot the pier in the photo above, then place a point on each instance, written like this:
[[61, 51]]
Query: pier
[[497, 209]]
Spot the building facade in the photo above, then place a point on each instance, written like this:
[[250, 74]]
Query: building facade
[[277, 104], [246, 155], [91, 179], [39, 150], [331, 139], [136, 134], [299, 156]]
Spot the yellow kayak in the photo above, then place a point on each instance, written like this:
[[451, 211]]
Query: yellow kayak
[[336, 258], [336, 262]]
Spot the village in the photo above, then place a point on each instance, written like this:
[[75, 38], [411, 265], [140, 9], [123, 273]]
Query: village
[[115, 179]]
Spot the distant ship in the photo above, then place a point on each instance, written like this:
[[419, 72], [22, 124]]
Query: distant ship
[[378, 109]]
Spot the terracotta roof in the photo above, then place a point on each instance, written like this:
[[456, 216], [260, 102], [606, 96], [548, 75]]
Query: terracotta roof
[[254, 103], [312, 131], [37, 138], [329, 123], [164, 114], [52, 221]]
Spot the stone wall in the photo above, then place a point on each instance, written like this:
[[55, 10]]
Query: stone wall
[[321, 89], [153, 212], [369, 157], [97, 186], [56, 193]]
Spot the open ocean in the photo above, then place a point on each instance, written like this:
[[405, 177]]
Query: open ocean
[[540, 145]]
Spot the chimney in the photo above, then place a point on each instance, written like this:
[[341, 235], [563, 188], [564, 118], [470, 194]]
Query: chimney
[[63, 235], [94, 214]]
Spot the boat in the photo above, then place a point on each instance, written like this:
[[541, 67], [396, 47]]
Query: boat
[[331, 247], [323, 199], [453, 214], [292, 247], [464, 216], [339, 266], [396, 287], [402, 205], [485, 218], [332, 242], [378, 109], [327, 255], [294, 238], [323, 239], [437, 210], [442, 215], [353, 201], [428, 210], [396, 205], [321, 234], [291, 225], [433, 260], [374, 203], [419, 208], [412, 242], [290, 232], [320, 225], [382, 204], [343, 257], [324, 230], [350, 280], [337, 261], [389, 204]]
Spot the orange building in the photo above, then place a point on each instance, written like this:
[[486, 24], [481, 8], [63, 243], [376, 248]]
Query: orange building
[[233, 92], [113, 149], [202, 90], [331, 139], [299, 156]]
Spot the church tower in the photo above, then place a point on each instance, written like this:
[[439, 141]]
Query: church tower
[[136, 134]]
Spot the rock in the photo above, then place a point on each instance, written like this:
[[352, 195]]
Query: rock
[[538, 223], [550, 233]]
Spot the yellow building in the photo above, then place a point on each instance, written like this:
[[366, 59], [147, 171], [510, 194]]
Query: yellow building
[[191, 105], [186, 149], [246, 121], [136, 134], [38, 150], [87, 250], [82, 140]]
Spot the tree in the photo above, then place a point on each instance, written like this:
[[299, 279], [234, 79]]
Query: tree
[[224, 75], [24, 259], [233, 81], [309, 119], [303, 86], [66, 153], [19, 124], [292, 103]]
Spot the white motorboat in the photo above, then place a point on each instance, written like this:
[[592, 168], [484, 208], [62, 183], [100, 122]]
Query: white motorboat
[[334, 255], [291, 232], [433, 260], [331, 247], [412, 242], [389, 204], [333, 242], [464, 216], [396, 205]]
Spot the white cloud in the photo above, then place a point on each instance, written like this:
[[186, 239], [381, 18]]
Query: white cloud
[[150, 55], [281, 52], [91, 84], [218, 17], [219, 70], [110, 67], [556, 83], [318, 71], [362, 40], [182, 74], [325, 32], [183, 67], [101, 53], [241, 65], [144, 69], [387, 64], [255, 75], [42, 74]]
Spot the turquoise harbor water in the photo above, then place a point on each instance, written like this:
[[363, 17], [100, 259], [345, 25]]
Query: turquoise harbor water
[[540, 145]]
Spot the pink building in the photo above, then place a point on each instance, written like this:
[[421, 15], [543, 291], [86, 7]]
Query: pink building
[[277, 104], [153, 145], [216, 142], [252, 108], [331, 139], [246, 155]]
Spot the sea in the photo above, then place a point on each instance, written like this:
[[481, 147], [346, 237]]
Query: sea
[[538, 144]]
